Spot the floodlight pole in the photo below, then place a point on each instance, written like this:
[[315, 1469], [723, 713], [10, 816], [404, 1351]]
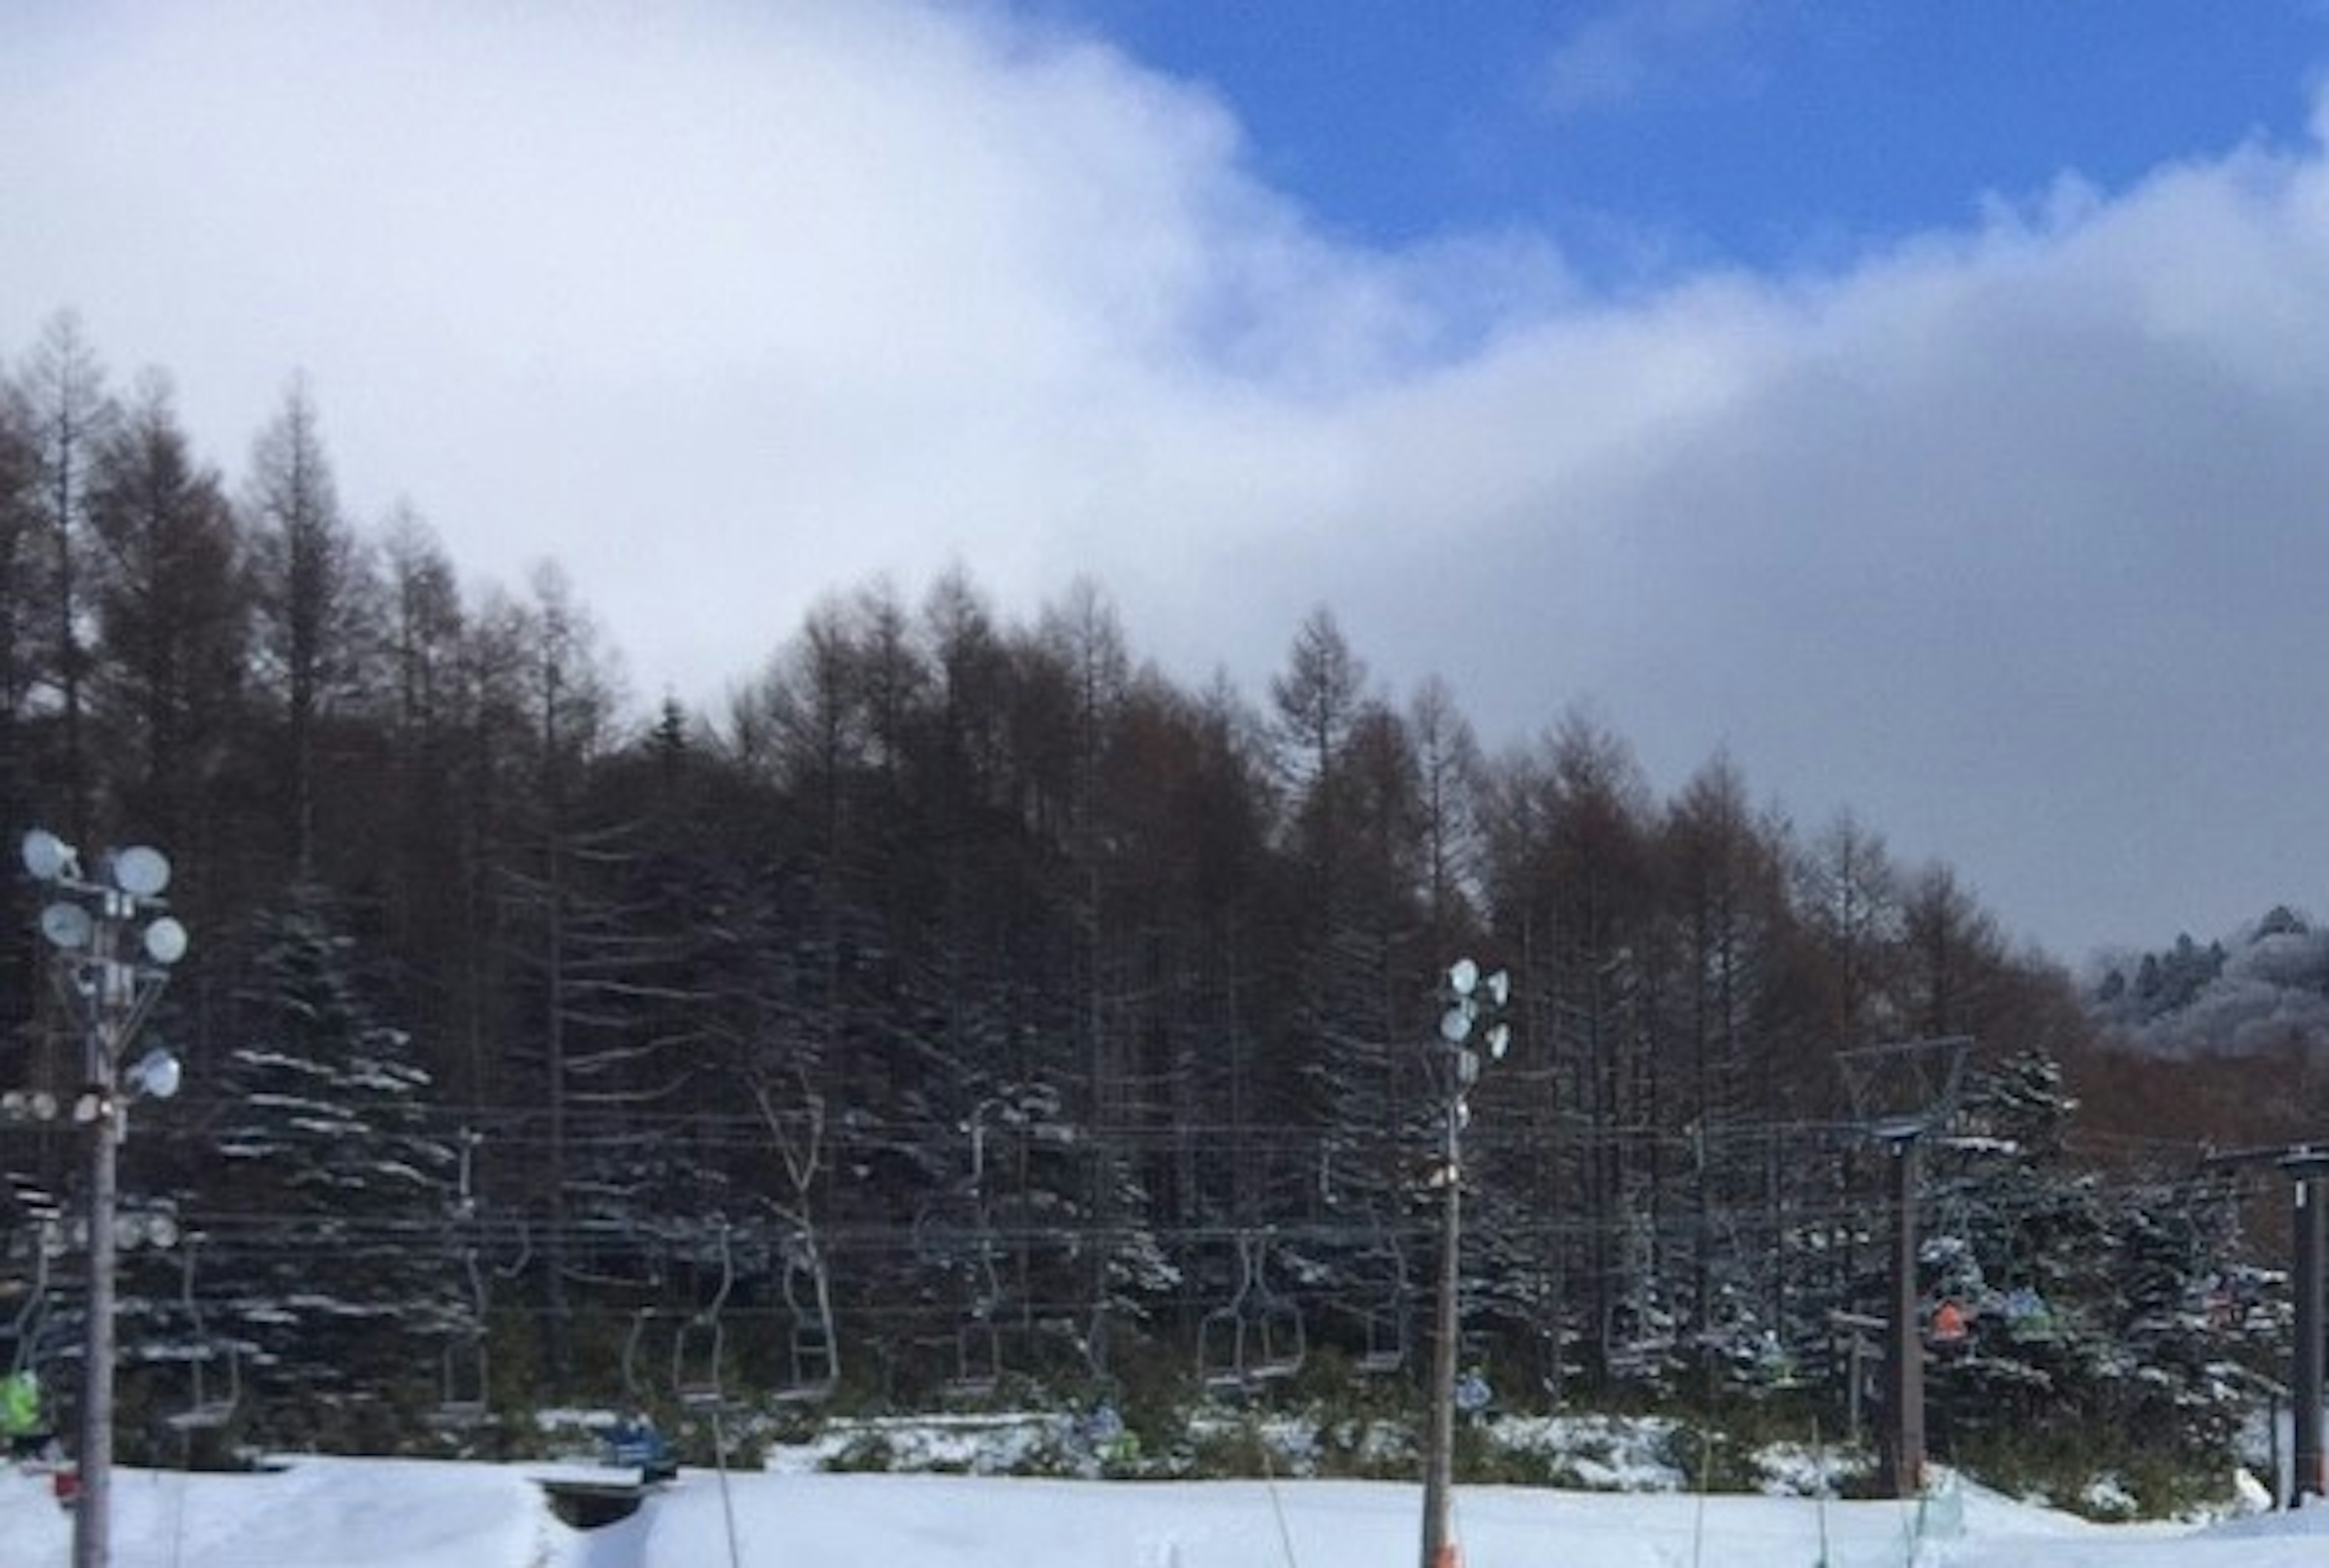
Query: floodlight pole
[[1474, 1005], [93, 1509], [1440, 1450], [110, 989]]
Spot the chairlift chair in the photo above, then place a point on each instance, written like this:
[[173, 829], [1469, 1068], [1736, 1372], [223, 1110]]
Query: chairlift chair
[[25, 1331], [2027, 1315], [1385, 1349], [1221, 1336], [635, 1384], [1259, 1337], [813, 1362], [465, 1376], [699, 1347], [1221, 1348], [1281, 1340], [1093, 1342], [209, 1405], [977, 1359], [1949, 1329], [977, 1344]]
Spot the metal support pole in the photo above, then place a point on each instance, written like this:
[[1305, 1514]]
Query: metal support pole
[[1440, 1459], [2311, 1472], [1474, 1000], [108, 972], [93, 1510], [1900, 1471]]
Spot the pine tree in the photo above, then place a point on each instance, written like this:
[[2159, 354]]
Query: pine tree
[[331, 1241]]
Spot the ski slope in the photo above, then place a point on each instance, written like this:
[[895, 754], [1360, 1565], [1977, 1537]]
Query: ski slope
[[375, 1513]]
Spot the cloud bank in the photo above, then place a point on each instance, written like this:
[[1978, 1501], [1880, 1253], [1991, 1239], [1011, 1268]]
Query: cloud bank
[[2009, 537]]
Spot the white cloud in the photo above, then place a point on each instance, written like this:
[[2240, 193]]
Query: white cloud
[[2007, 537], [1629, 48]]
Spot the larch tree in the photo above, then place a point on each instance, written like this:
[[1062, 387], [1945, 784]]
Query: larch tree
[[71, 410], [171, 624], [316, 608], [20, 542]]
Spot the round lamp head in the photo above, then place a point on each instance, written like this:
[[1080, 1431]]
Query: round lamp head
[[46, 856], [1455, 1024], [141, 872], [165, 941], [67, 926], [1463, 976], [157, 1075]]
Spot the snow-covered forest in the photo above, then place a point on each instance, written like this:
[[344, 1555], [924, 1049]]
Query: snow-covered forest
[[2261, 990], [965, 1005]]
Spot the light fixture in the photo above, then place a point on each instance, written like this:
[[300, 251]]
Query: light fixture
[[165, 941], [1469, 1000], [157, 1073], [67, 926], [141, 872], [112, 943], [28, 1105], [49, 858]]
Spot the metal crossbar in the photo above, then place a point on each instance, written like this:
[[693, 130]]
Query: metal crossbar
[[1905, 1088]]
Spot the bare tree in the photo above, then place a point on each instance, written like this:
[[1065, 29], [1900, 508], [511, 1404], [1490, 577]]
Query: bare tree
[[315, 600], [172, 620], [71, 410]]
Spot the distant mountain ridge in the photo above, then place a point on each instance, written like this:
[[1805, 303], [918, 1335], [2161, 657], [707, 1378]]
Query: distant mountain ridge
[[2265, 988]]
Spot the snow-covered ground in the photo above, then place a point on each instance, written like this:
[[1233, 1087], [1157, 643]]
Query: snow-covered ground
[[371, 1513]]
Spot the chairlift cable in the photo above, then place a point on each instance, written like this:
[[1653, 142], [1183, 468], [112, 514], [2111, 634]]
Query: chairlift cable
[[1276, 1503], [727, 1503]]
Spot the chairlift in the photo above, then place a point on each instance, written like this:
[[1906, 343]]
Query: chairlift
[[977, 1358], [465, 1376], [1949, 1328], [954, 1231], [209, 1404], [812, 1363], [1093, 1342], [1385, 1348], [1259, 1337], [464, 1373], [700, 1346], [2026, 1314], [977, 1344], [25, 1331], [635, 1384]]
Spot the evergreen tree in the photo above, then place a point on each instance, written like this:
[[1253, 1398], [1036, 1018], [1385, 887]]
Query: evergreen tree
[[330, 1207], [2019, 1243]]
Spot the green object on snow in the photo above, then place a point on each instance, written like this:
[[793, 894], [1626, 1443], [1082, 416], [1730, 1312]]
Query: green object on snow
[[20, 1404]]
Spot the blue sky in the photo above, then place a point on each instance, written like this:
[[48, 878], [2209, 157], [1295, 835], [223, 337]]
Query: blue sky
[[1684, 133], [1926, 405]]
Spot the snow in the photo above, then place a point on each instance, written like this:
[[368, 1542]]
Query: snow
[[320, 1512]]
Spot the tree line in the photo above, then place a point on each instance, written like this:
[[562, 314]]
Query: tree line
[[964, 994]]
